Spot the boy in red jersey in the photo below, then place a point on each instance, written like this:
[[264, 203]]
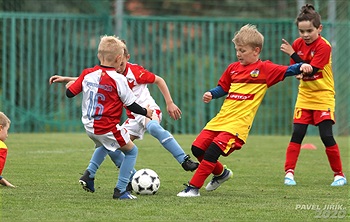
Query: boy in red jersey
[[245, 82], [138, 79], [4, 126], [316, 98], [105, 92]]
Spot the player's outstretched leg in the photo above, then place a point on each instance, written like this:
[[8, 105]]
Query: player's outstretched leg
[[168, 142], [217, 180]]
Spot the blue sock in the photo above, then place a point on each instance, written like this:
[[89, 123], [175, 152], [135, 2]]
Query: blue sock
[[166, 139], [126, 168], [97, 158], [117, 157]]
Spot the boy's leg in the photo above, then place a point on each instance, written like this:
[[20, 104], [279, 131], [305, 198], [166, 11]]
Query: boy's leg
[[168, 142], [118, 157], [87, 180], [125, 172]]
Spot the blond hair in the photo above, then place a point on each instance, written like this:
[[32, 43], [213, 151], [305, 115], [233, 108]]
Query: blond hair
[[249, 35], [109, 48], [4, 120]]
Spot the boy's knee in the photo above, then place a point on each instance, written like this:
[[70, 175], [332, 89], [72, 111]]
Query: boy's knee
[[197, 152]]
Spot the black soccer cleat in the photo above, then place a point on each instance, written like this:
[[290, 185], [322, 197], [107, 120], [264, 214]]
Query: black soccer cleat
[[86, 182], [188, 164]]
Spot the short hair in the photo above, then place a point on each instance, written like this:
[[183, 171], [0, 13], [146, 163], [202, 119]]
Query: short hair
[[109, 48], [249, 35], [126, 51], [4, 120], [308, 13]]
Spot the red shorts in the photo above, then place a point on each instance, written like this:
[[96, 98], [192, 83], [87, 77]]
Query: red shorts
[[314, 117], [226, 141]]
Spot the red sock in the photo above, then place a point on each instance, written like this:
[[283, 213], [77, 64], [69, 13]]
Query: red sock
[[292, 155], [204, 169], [334, 160], [219, 169]]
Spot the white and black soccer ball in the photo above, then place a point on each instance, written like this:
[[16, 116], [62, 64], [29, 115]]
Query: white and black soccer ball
[[145, 181]]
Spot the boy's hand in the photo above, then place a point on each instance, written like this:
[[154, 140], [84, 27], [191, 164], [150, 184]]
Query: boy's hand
[[286, 47], [306, 69], [149, 112], [174, 111], [56, 78], [207, 97]]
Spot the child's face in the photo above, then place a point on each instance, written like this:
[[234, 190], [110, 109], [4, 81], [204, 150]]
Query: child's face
[[247, 54], [4, 132], [308, 32], [122, 66]]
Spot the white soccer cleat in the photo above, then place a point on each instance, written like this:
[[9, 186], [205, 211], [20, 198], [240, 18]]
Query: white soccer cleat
[[289, 179], [218, 180], [189, 191], [339, 181]]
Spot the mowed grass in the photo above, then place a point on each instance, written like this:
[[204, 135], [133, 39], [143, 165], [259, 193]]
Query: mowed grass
[[46, 168]]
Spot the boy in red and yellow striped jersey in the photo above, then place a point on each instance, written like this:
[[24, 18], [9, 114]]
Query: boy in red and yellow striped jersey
[[245, 83], [316, 98], [4, 126]]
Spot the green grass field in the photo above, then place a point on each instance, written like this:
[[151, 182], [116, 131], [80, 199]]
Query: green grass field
[[46, 168]]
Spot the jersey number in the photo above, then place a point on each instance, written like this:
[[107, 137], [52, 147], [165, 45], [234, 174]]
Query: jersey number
[[94, 105]]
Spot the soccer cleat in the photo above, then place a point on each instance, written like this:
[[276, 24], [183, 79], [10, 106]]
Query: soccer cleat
[[339, 181], [218, 180], [126, 195], [129, 187], [289, 178], [189, 191], [289, 181], [188, 164], [86, 182]]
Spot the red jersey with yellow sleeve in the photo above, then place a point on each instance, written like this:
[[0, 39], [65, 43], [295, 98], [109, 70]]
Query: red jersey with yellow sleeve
[[316, 92], [246, 87], [3, 155]]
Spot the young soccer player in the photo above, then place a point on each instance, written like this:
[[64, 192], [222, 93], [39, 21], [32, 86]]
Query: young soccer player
[[316, 98], [245, 82], [4, 126], [105, 92], [138, 79]]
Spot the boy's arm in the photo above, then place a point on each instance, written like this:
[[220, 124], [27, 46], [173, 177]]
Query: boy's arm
[[61, 79], [288, 49], [299, 68], [172, 108]]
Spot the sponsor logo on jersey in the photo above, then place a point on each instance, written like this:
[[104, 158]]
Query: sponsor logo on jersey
[[96, 85], [240, 96]]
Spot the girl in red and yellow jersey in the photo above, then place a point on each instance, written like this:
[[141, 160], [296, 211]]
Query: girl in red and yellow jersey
[[4, 126], [316, 98]]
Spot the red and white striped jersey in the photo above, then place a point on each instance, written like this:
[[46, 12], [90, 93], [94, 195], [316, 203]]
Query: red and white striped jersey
[[105, 92]]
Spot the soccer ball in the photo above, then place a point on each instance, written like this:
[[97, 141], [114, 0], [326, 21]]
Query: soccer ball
[[145, 181]]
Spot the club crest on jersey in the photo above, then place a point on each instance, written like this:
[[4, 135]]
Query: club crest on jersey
[[254, 73], [312, 53]]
